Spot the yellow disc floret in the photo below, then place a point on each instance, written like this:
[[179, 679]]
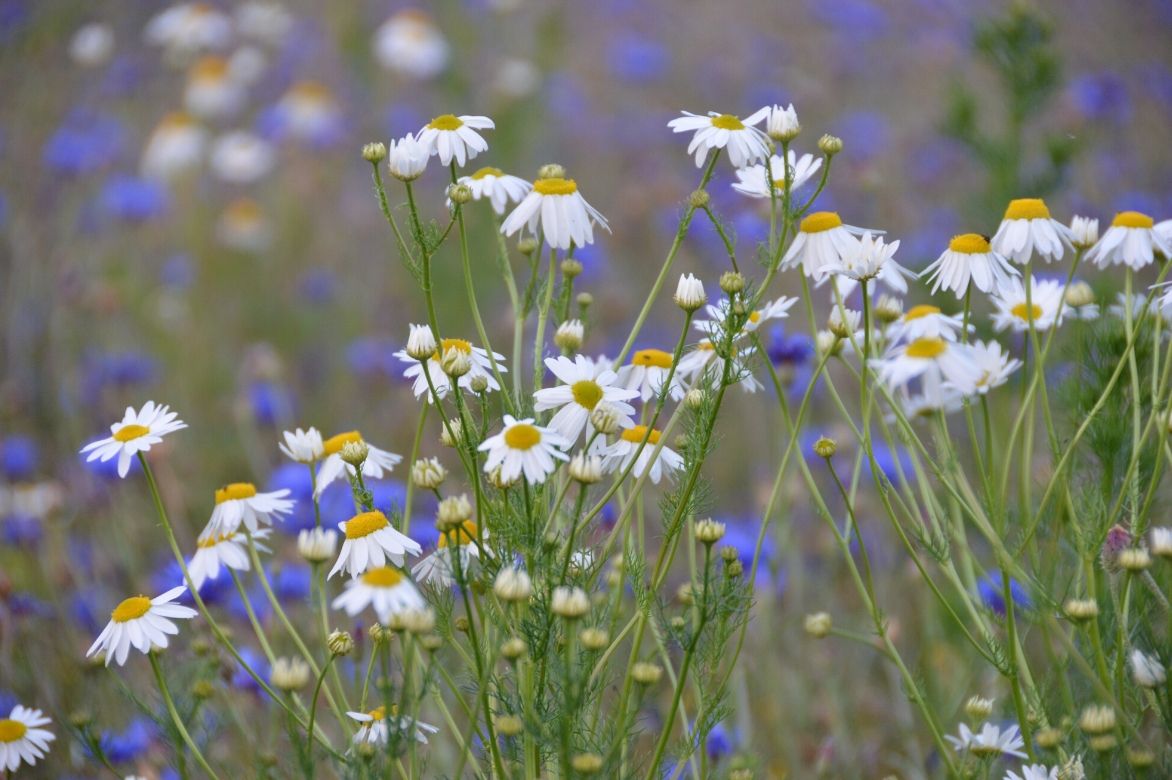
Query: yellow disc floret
[[821, 221], [235, 491], [131, 609], [727, 122], [917, 312], [587, 393], [489, 171], [926, 349], [1132, 219], [465, 534], [11, 730], [334, 444], [969, 244], [1027, 208], [131, 432], [638, 433], [652, 357], [383, 577], [446, 122], [522, 436], [365, 524], [555, 186], [1026, 313]]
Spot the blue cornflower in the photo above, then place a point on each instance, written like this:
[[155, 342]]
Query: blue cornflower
[[85, 142], [18, 458], [131, 743], [638, 60], [991, 593], [132, 199]]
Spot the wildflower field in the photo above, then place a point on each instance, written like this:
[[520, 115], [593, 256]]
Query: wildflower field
[[624, 389]]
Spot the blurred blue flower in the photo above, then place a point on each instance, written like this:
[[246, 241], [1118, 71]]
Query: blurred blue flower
[[102, 371], [403, 118], [177, 272], [123, 76], [638, 60], [318, 285], [21, 531], [85, 142], [372, 357], [993, 596], [887, 462], [851, 17], [107, 470], [291, 582], [14, 14], [1144, 202], [1101, 96], [129, 744], [866, 134], [18, 458], [791, 349], [241, 678], [741, 534], [721, 742], [24, 604], [132, 199], [271, 402]]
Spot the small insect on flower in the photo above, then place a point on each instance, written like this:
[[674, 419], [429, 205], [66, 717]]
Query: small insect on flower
[[755, 180], [989, 741], [524, 448], [142, 623], [137, 432], [385, 588], [585, 383], [421, 370], [439, 568], [821, 244], [214, 550], [239, 503], [369, 542], [378, 462], [1043, 308], [23, 738], [452, 137], [1027, 228], [556, 210], [495, 186], [968, 261], [621, 454], [303, 446], [1131, 241], [374, 729], [745, 142]]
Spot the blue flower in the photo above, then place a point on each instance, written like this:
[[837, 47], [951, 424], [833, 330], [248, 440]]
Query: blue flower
[[291, 582], [721, 742], [794, 349], [271, 402], [318, 286], [177, 272], [132, 199], [21, 531], [241, 678], [865, 133], [638, 60], [18, 458], [86, 142], [991, 593], [1101, 96], [131, 743], [372, 357]]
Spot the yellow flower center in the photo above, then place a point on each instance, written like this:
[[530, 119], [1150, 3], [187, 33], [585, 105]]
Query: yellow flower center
[[969, 244], [1027, 208], [131, 609], [131, 432], [638, 433], [1026, 313], [311, 91], [555, 186], [210, 68], [587, 393], [365, 524], [755, 317], [334, 444], [235, 491], [383, 577], [923, 310], [522, 436], [446, 122], [926, 349], [727, 122], [1132, 219], [380, 712], [705, 346], [212, 541], [821, 221], [483, 172], [652, 357], [11, 730], [464, 534], [457, 344]]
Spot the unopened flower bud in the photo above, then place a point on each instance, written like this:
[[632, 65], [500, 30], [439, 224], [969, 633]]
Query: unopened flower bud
[[1086, 232], [355, 452], [455, 362], [684, 594], [826, 343], [825, 448], [571, 268], [479, 384], [512, 585], [1081, 610], [202, 690], [585, 469], [551, 171], [646, 673], [460, 194], [1135, 559], [818, 624], [568, 602], [569, 335], [690, 293], [431, 642], [605, 419], [1146, 670], [420, 342], [585, 300], [527, 245], [81, 718], [1103, 743], [843, 322], [1079, 294], [978, 707], [593, 638], [709, 531], [290, 674], [1048, 738], [728, 553], [497, 479], [461, 624], [1118, 539], [452, 513], [1161, 542], [1140, 758], [452, 432], [694, 399], [378, 633], [428, 473], [586, 763], [1097, 719], [317, 545], [514, 648], [374, 152], [888, 309], [698, 199], [419, 621], [732, 282], [340, 643], [508, 725], [782, 125], [734, 569], [830, 145]]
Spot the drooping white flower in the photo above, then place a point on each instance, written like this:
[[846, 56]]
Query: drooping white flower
[[746, 144], [303, 446], [821, 244], [137, 432], [704, 364], [410, 44], [213, 92], [452, 137], [1027, 228], [623, 451], [990, 740], [378, 461], [1131, 241], [239, 503], [969, 259], [556, 209], [407, 158], [584, 385], [175, 146], [647, 372], [870, 259], [241, 157], [755, 180], [439, 568], [23, 737], [481, 367], [925, 322], [370, 541], [386, 589], [497, 187], [142, 623], [374, 729], [935, 359], [993, 366], [215, 550], [523, 448], [770, 310]]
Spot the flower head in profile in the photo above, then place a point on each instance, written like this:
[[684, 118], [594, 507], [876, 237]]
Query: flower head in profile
[[410, 44], [925, 322], [761, 181], [142, 623], [378, 462], [439, 567], [407, 158], [385, 588], [497, 187], [584, 384], [369, 541], [647, 372], [239, 503], [375, 730], [303, 446], [746, 144], [1028, 229], [636, 447], [556, 209], [718, 313], [704, 367], [137, 432], [452, 137], [523, 448], [216, 550], [23, 737], [871, 258], [993, 367], [936, 360], [1131, 241], [991, 740], [821, 244], [969, 260], [420, 371]]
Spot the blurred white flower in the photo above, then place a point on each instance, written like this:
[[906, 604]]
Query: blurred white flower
[[410, 44]]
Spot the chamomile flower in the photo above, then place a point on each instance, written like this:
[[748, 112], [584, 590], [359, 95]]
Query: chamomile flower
[[454, 137], [771, 310], [240, 157], [523, 448], [477, 356], [409, 43], [497, 187], [23, 738], [1044, 307], [303, 446], [212, 91], [239, 503], [871, 258], [407, 158], [703, 363], [925, 322], [142, 623], [186, 28], [309, 112], [175, 146], [137, 432], [556, 209], [746, 143], [378, 461], [934, 399], [374, 729], [1033, 772], [969, 260], [821, 244], [1132, 241], [264, 21], [215, 550], [647, 372], [755, 180], [585, 384], [991, 740], [937, 360], [370, 542], [244, 227], [90, 47], [1027, 229], [621, 453], [439, 568], [385, 588], [993, 367]]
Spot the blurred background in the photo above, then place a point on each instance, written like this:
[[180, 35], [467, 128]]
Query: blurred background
[[185, 216]]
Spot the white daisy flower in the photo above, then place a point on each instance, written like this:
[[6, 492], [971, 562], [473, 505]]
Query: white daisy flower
[[1044, 307], [496, 186], [385, 588], [871, 259], [23, 738], [821, 243], [1146, 670], [647, 371], [439, 568], [969, 259], [212, 92], [619, 455], [142, 623], [1161, 306], [1027, 228], [138, 432], [409, 43], [935, 399], [478, 356], [524, 448], [1033, 772], [746, 144], [925, 322], [175, 146], [772, 310], [1164, 230], [703, 364], [993, 366], [407, 158], [378, 462], [1132, 241], [309, 111], [239, 503], [1085, 231], [935, 359], [244, 227], [189, 27], [782, 124], [214, 550], [556, 209], [990, 741], [264, 21], [754, 181], [585, 383], [91, 46], [241, 157], [370, 542], [303, 446], [374, 726], [454, 137]]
